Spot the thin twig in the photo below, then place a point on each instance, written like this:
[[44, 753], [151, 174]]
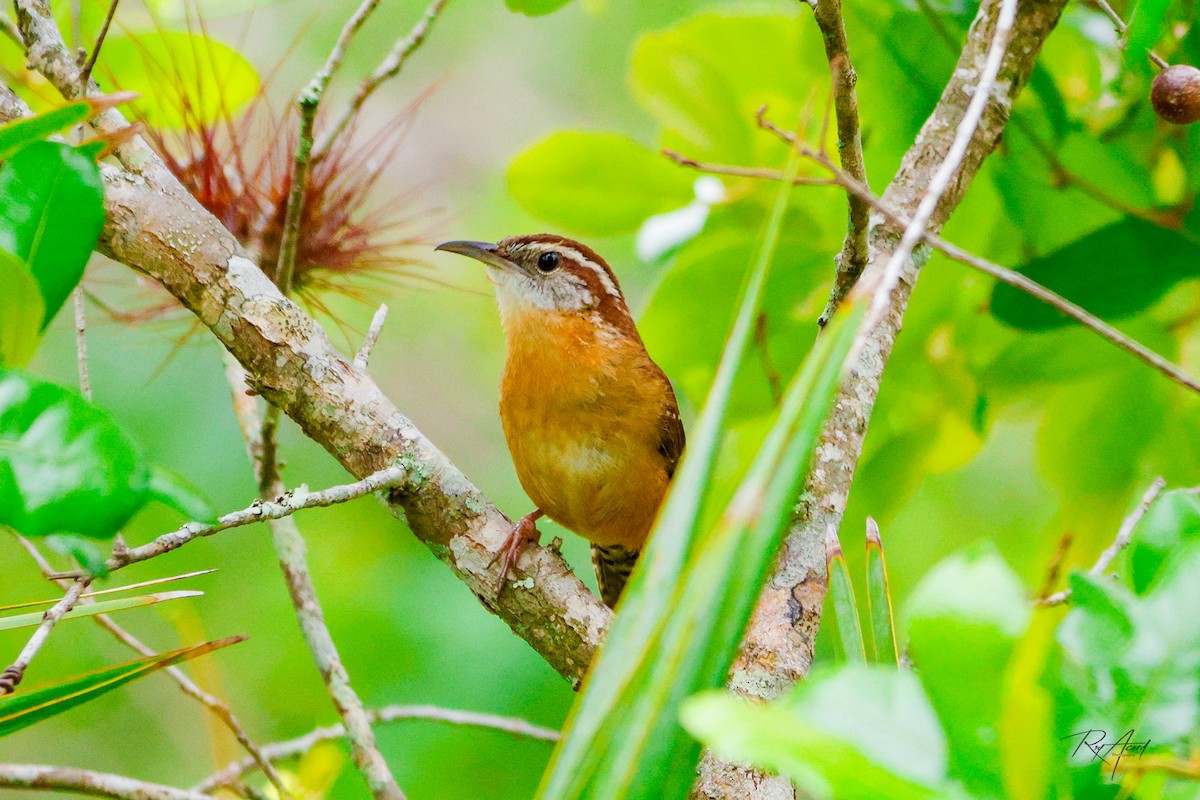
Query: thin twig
[[364, 355], [742, 172], [15, 671], [764, 357], [86, 73], [279, 751], [1054, 568], [853, 258], [40, 777], [1119, 543], [388, 68], [1122, 29], [81, 349], [291, 550], [1011, 277], [1022, 282], [218, 708], [308, 102], [285, 504], [881, 289]]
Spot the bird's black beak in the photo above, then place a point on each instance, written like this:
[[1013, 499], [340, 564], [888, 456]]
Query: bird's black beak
[[480, 251]]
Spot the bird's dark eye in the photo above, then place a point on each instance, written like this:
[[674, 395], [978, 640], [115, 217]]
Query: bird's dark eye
[[548, 262]]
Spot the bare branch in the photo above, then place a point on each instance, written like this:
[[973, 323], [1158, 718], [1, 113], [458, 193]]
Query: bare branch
[[292, 552], [293, 365], [388, 68], [853, 258], [308, 102], [85, 75], [1011, 277], [40, 777], [1118, 544], [81, 351], [284, 505], [364, 355], [301, 745], [1122, 29], [218, 708], [742, 172], [15, 671]]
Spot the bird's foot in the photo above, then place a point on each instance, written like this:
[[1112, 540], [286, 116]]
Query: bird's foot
[[524, 533]]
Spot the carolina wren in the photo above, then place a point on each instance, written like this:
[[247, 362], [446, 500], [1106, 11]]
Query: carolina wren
[[591, 421]]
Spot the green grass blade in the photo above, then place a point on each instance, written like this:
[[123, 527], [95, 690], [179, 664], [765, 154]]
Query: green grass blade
[[112, 590], [879, 599], [24, 708], [647, 595], [849, 642], [33, 619]]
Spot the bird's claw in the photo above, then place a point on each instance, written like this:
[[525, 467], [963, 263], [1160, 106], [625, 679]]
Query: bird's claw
[[524, 533]]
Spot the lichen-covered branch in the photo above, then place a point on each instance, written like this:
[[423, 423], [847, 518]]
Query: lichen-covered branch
[[155, 226], [778, 647]]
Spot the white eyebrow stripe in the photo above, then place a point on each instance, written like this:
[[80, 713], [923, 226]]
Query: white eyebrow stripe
[[570, 252]]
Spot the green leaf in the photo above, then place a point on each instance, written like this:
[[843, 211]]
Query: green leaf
[[1147, 24], [1171, 523], [535, 8], [184, 79], [879, 600], [1114, 272], [704, 78], [964, 620], [65, 466], [51, 213], [845, 607], [34, 619], [854, 732], [27, 707], [21, 312], [22, 132], [176, 491], [595, 183], [1140, 656]]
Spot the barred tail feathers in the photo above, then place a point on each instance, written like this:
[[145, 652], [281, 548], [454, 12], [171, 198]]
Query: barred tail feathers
[[613, 564]]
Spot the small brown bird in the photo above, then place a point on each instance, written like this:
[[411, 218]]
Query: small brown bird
[[591, 421]]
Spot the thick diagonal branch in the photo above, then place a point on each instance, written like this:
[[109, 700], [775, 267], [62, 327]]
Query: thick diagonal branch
[[155, 226]]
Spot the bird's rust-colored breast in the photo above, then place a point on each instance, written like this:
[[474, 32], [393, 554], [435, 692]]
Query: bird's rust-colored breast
[[582, 409]]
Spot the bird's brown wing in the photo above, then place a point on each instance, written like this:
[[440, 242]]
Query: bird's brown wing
[[670, 432], [614, 563]]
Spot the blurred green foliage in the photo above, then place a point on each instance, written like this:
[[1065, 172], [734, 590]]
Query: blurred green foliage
[[1002, 701], [1003, 427]]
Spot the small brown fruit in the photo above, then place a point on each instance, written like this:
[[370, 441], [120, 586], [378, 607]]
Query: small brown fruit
[[1175, 94]]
